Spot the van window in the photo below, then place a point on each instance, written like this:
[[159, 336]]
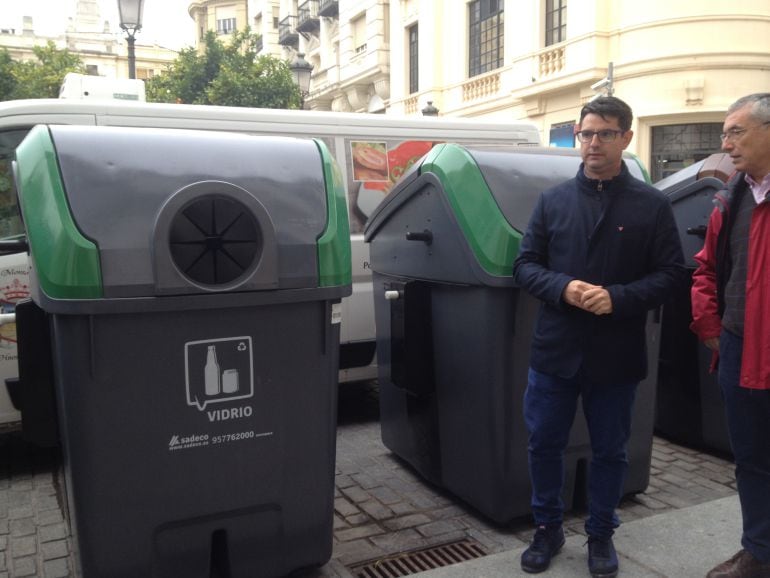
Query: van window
[[10, 221]]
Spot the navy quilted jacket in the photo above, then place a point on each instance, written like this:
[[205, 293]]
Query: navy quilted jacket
[[633, 250]]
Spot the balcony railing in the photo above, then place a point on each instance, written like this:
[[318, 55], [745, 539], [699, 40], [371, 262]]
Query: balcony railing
[[551, 62], [287, 31], [410, 105], [481, 87], [329, 8], [308, 20]]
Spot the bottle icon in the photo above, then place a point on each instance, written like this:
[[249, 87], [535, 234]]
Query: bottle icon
[[211, 372]]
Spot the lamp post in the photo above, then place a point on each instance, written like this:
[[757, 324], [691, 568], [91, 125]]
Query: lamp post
[[430, 110], [131, 21], [301, 70]]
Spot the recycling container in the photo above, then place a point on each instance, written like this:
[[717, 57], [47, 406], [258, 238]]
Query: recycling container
[[192, 283], [453, 331], [689, 401]]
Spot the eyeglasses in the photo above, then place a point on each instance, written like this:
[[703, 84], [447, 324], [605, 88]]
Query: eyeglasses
[[606, 135], [734, 134]]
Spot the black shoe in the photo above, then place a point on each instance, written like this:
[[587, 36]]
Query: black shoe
[[545, 545], [602, 558]]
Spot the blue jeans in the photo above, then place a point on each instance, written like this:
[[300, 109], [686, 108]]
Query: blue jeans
[[550, 404], [748, 424]]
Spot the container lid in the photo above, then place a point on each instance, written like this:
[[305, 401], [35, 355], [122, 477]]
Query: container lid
[[489, 192], [132, 212]]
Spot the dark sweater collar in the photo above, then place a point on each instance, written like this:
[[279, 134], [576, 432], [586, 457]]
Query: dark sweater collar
[[602, 185]]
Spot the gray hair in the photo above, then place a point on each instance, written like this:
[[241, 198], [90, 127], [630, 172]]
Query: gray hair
[[760, 105]]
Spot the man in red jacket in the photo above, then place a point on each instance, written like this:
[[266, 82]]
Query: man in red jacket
[[731, 315]]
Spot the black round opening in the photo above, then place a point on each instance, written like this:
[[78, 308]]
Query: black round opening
[[214, 240]]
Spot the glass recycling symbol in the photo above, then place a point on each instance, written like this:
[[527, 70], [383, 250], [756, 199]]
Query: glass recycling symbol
[[218, 370]]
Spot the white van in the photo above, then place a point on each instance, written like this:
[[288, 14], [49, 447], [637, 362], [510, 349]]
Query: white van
[[81, 86], [371, 150]]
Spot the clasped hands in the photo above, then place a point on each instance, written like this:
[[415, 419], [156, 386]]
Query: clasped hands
[[592, 298]]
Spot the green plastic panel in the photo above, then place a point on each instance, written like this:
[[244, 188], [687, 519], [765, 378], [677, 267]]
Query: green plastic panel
[[491, 238], [632, 157], [66, 263], [334, 258]]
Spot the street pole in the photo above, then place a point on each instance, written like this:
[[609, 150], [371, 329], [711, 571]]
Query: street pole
[[130, 12], [131, 56]]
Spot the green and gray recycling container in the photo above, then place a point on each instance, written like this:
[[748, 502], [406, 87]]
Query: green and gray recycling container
[[690, 409], [192, 281], [453, 331]]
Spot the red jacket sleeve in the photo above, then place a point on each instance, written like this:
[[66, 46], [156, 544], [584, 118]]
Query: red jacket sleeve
[[706, 321]]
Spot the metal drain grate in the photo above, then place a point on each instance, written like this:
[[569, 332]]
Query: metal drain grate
[[420, 560]]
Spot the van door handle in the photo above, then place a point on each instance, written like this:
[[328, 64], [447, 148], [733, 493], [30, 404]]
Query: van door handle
[[425, 236], [699, 231]]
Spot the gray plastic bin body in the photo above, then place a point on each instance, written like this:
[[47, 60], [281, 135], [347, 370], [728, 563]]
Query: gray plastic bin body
[[689, 401], [197, 398], [453, 339]]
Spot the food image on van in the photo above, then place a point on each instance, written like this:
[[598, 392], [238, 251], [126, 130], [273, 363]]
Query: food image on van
[[376, 168], [370, 161]]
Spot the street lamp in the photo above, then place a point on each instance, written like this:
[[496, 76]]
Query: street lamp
[[131, 21], [430, 110], [301, 70]]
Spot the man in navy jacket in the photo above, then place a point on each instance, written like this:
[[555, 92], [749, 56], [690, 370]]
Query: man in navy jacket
[[600, 251]]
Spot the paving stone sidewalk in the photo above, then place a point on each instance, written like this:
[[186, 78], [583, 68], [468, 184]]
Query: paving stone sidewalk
[[382, 508], [34, 538]]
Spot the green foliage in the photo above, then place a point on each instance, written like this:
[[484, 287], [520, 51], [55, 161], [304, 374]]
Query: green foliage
[[7, 78], [40, 78], [228, 75]]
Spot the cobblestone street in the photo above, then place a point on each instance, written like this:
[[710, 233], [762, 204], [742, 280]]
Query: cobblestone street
[[382, 508]]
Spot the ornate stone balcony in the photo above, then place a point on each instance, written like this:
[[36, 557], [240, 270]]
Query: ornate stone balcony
[[481, 87], [551, 61]]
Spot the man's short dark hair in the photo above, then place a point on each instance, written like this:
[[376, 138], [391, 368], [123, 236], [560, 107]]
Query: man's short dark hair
[[609, 107]]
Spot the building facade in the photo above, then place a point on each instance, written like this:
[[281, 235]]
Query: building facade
[[265, 20], [678, 64], [221, 16], [100, 46]]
